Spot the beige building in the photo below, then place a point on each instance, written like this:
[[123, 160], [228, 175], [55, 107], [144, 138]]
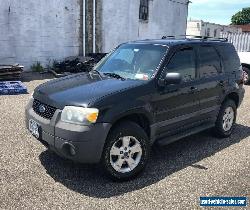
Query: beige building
[[201, 28]]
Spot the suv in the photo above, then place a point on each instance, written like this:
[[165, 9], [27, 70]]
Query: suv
[[143, 92]]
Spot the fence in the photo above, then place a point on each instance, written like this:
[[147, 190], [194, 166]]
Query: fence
[[241, 41]]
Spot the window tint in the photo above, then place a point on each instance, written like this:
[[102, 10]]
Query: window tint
[[183, 62], [133, 61], [231, 61], [126, 55], [209, 64]]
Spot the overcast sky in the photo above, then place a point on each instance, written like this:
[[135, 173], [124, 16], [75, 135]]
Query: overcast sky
[[216, 11]]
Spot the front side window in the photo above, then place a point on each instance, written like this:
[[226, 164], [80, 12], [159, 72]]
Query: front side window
[[133, 61], [183, 62], [209, 62], [143, 12]]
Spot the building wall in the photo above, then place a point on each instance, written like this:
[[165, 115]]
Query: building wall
[[120, 21], [47, 30], [244, 28], [201, 28], [40, 30]]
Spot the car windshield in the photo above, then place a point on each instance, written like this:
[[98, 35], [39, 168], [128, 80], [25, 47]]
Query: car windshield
[[132, 61]]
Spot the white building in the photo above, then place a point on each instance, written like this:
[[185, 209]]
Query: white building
[[126, 20], [201, 28], [52, 30]]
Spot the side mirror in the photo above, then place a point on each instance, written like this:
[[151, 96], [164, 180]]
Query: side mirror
[[171, 79]]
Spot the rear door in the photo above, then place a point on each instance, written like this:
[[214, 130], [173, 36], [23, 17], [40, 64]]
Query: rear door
[[212, 81], [176, 106]]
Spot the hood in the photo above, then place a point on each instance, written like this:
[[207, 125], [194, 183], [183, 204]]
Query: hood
[[80, 89]]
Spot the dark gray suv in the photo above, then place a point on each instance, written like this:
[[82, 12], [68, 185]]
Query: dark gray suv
[[143, 92]]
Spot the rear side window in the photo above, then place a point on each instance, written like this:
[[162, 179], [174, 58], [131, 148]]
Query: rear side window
[[209, 62], [230, 58], [183, 62]]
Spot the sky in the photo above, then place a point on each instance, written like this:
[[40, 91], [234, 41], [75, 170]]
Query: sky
[[216, 11]]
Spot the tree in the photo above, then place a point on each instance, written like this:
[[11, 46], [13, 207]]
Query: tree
[[242, 17]]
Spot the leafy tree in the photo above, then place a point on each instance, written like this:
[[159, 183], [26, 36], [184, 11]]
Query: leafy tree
[[242, 17]]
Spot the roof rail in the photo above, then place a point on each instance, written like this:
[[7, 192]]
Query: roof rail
[[195, 37]]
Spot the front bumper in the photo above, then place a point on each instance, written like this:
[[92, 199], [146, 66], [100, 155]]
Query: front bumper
[[79, 143]]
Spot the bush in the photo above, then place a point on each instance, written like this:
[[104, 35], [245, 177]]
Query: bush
[[37, 67], [242, 17]]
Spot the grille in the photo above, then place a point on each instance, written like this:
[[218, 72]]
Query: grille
[[48, 112]]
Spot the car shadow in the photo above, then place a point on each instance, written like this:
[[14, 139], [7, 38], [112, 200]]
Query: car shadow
[[91, 181]]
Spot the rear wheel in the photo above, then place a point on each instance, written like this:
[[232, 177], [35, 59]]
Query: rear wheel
[[226, 119], [246, 75], [126, 151]]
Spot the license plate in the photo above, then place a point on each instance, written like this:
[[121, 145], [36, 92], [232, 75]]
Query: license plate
[[34, 128]]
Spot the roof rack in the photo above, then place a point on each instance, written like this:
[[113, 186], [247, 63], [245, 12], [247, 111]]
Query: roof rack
[[194, 37]]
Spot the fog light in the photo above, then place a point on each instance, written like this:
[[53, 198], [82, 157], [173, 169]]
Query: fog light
[[72, 151], [68, 149]]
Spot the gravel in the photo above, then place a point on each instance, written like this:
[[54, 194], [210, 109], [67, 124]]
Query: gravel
[[177, 175]]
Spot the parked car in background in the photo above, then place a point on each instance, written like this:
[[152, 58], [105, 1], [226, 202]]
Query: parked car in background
[[143, 93], [245, 62]]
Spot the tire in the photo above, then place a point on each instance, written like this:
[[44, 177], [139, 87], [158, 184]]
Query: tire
[[225, 122], [246, 75], [121, 162]]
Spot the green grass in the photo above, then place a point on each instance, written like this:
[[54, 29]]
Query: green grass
[[37, 67]]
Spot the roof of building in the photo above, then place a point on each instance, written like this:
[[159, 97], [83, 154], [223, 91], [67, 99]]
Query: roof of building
[[205, 22], [245, 28]]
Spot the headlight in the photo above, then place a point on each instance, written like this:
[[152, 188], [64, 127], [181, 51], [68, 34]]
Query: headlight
[[79, 115]]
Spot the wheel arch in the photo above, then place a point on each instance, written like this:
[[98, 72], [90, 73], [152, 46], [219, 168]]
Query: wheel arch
[[233, 96], [140, 118], [246, 66]]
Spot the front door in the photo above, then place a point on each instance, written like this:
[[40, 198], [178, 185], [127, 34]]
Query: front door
[[176, 106]]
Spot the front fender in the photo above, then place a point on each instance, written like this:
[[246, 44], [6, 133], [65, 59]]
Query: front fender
[[117, 112]]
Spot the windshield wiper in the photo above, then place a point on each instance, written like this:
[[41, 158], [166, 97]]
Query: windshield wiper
[[114, 75], [96, 72]]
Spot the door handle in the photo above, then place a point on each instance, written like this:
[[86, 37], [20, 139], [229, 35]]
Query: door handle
[[221, 83], [193, 89]]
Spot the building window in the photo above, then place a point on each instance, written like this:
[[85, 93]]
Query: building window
[[198, 26], [208, 32], [143, 13], [215, 33]]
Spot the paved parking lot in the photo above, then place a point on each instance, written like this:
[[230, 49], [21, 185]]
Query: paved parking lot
[[177, 175]]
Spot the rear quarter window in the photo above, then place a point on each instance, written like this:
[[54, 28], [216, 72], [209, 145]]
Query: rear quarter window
[[230, 58]]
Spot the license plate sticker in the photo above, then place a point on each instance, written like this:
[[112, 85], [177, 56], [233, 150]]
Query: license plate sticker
[[34, 128]]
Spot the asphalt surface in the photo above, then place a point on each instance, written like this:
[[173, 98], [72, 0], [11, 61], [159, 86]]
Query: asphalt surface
[[177, 175]]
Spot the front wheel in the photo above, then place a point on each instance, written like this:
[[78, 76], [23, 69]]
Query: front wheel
[[126, 151], [226, 119]]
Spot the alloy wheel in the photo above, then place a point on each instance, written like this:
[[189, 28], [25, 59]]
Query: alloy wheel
[[125, 154], [228, 119], [245, 77]]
